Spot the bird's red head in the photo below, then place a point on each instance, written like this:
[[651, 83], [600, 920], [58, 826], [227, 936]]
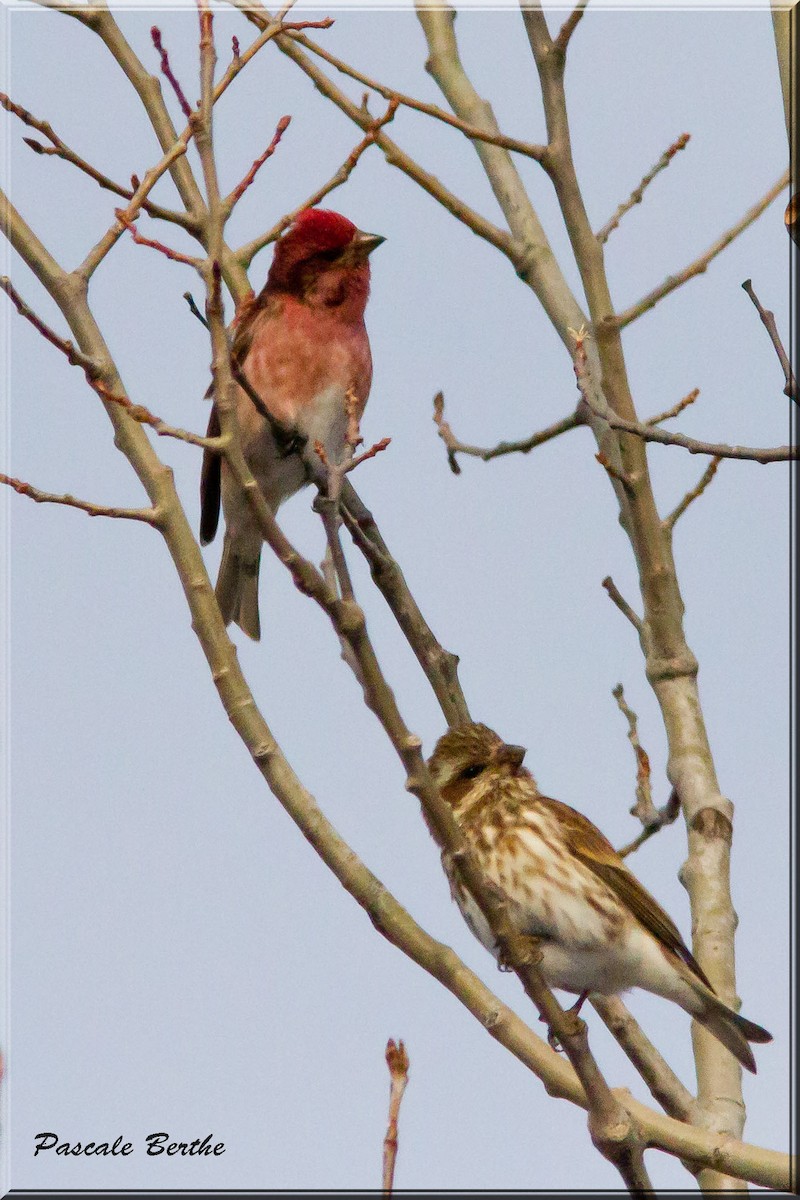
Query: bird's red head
[[319, 244]]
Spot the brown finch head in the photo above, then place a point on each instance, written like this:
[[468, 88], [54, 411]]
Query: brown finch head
[[470, 752], [320, 243]]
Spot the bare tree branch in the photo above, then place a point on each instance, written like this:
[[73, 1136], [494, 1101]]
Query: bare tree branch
[[622, 604], [454, 446], [669, 413], [680, 509], [663, 1083], [240, 189], [637, 194], [651, 433], [167, 72], [397, 1062], [644, 809], [246, 253], [700, 264], [148, 515], [94, 376], [61, 150], [566, 31], [768, 319]]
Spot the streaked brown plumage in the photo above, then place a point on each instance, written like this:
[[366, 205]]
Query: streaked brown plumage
[[599, 930]]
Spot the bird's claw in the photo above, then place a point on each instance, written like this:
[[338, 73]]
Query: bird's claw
[[553, 1042]]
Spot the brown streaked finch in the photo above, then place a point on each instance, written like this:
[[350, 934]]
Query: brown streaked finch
[[564, 884], [302, 346]]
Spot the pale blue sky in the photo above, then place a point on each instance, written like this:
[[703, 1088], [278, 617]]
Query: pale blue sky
[[180, 959]]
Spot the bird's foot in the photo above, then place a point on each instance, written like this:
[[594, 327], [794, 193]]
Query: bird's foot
[[572, 1023]]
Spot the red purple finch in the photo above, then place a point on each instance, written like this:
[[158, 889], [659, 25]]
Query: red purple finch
[[565, 885], [302, 346]]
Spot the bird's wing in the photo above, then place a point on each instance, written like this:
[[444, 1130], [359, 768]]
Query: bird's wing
[[211, 471], [595, 851], [210, 485]]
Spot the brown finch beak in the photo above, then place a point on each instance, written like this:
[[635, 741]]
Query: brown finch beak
[[513, 755]]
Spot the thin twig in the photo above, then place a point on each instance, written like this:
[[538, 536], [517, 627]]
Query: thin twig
[[246, 253], [397, 1062], [454, 446], [93, 375], [670, 810], [568, 28], [668, 523], [167, 72], [652, 433], [669, 413], [471, 131], [168, 251], [613, 471], [329, 485], [193, 309], [636, 195], [622, 604], [149, 516], [768, 319], [237, 193], [699, 265], [644, 808], [61, 150]]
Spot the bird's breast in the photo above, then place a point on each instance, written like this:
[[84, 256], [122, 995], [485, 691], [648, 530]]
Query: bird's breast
[[299, 359]]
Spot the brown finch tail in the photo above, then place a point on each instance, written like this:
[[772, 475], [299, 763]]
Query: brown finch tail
[[237, 591], [729, 1028]]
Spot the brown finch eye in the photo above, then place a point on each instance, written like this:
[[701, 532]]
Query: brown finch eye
[[471, 772]]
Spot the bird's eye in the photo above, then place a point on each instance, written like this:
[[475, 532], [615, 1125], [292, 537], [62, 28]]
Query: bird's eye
[[472, 771]]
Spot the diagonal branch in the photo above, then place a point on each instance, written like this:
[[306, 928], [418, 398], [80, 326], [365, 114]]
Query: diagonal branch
[[246, 253], [168, 73], [561, 42], [150, 516], [240, 189], [454, 446], [61, 150], [637, 194], [663, 1084], [705, 479], [700, 264], [393, 154], [94, 376], [768, 320], [652, 433], [675, 410]]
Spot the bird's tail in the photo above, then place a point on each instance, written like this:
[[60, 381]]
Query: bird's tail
[[728, 1027], [237, 590]]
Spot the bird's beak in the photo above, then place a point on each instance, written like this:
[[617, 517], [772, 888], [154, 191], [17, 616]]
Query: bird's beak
[[513, 755], [365, 243]]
